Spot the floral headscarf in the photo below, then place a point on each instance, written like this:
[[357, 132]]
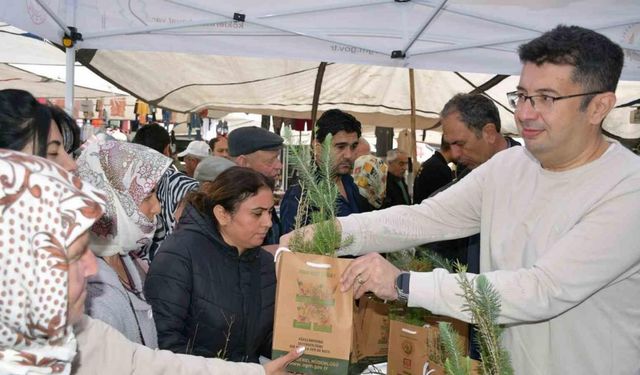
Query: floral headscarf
[[370, 174], [127, 173], [43, 209]]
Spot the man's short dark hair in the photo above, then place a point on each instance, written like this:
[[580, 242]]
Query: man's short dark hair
[[154, 136], [476, 110], [213, 141], [597, 61], [335, 120]]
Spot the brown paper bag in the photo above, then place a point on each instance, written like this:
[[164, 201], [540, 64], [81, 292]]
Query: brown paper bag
[[312, 312], [415, 350], [371, 330]]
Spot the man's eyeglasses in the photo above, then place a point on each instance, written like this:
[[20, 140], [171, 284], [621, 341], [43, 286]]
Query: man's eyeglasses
[[540, 102]]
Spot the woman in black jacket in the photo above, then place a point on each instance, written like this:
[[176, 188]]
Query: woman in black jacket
[[211, 286]]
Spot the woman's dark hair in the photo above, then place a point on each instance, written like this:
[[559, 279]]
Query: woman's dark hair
[[229, 190], [23, 120], [68, 128]]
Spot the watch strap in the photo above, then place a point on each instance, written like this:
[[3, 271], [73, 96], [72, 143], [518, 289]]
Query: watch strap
[[402, 286]]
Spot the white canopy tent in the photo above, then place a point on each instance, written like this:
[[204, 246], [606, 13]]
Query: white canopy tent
[[460, 35], [454, 35]]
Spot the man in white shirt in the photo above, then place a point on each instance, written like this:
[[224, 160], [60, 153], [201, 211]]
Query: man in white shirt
[[558, 221]]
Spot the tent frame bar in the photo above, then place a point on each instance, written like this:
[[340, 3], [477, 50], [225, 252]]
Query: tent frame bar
[[426, 24], [516, 40], [59, 21]]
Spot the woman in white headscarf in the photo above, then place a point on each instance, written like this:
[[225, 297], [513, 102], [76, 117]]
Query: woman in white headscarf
[[45, 213], [370, 175], [128, 174]]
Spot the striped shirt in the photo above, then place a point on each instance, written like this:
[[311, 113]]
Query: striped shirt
[[172, 187]]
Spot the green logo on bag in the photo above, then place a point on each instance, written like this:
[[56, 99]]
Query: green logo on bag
[[301, 325], [315, 300], [322, 327]]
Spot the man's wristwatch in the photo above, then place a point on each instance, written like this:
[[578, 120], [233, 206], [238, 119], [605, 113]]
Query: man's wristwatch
[[402, 286]]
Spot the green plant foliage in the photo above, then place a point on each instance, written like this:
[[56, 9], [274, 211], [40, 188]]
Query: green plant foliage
[[437, 260], [455, 363], [483, 302], [411, 315], [406, 260]]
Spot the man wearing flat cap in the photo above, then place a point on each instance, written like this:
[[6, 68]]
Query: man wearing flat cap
[[259, 149]]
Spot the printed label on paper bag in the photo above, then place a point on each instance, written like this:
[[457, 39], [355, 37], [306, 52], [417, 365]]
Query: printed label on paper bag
[[312, 312]]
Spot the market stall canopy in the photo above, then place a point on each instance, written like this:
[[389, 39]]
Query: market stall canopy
[[41, 86], [376, 95], [455, 35]]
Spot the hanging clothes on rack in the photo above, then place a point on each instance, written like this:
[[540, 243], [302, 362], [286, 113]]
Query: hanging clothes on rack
[[117, 106], [302, 125], [141, 109]]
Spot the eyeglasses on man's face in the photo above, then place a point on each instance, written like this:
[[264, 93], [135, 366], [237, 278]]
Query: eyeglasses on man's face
[[541, 102]]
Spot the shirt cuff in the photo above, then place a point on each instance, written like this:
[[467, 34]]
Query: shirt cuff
[[350, 228], [421, 291]]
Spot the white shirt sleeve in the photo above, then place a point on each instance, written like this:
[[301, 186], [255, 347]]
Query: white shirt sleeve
[[452, 213]]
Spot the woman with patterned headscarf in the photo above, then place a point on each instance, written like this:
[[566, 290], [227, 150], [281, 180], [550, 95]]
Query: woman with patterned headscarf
[[45, 214], [128, 174], [370, 175]]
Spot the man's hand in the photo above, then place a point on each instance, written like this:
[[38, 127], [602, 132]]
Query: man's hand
[[371, 273], [278, 366]]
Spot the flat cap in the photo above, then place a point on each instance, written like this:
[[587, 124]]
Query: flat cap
[[210, 167], [244, 141]]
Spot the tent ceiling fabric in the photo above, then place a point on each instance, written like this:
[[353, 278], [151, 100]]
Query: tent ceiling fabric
[[456, 35], [42, 87], [375, 95]]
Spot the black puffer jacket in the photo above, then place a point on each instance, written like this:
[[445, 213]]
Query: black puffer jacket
[[201, 290]]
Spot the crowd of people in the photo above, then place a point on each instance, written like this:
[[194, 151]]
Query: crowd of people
[[115, 261]]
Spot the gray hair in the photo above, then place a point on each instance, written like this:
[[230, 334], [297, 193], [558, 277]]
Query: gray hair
[[475, 110], [393, 154]]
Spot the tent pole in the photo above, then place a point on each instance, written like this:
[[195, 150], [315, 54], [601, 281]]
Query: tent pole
[[70, 62], [70, 80], [316, 98], [412, 89]]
